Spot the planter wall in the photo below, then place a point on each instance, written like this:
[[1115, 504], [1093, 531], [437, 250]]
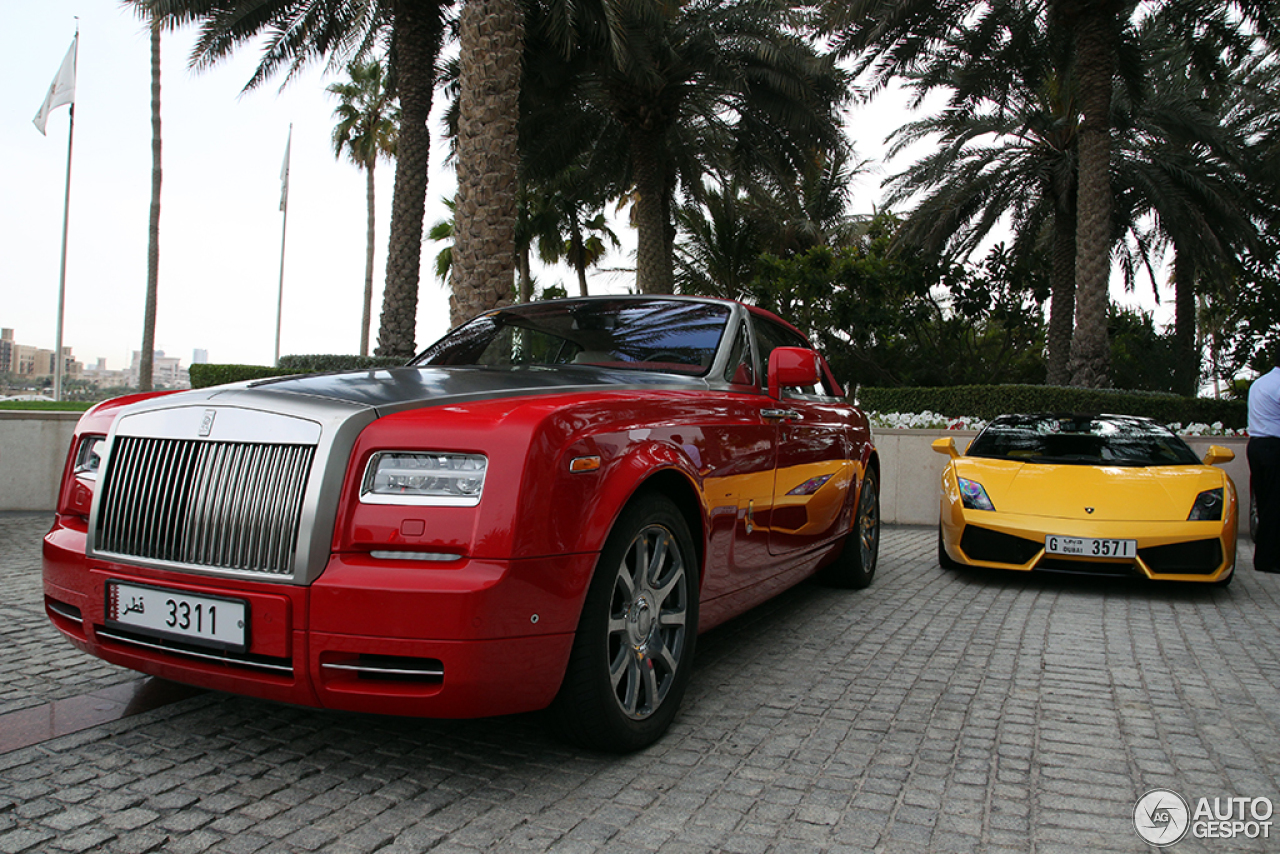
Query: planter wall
[[33, 449]]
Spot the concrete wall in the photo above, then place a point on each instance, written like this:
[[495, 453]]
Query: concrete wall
[[33, 448]]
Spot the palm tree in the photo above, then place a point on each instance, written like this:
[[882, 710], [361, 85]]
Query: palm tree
[[1184, 168], [891, 37], [567, 228], [300, 31], [587, 244], [796, 212], [720, 245], [442, 232], [541, 223], [366, 130], [491, 40], [147, 359], [724, 235], [147, 356], [678, 94]]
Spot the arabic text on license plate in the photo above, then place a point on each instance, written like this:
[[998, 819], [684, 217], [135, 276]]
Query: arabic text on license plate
[[1089, 547], [204, 620]]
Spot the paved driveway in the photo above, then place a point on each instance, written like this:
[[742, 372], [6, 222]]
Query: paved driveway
[[937, 711]]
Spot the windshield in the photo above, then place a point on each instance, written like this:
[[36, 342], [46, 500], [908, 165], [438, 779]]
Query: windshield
[[1110, 440], [654, 335]]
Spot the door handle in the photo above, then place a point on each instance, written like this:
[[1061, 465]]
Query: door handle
[[779, 414]]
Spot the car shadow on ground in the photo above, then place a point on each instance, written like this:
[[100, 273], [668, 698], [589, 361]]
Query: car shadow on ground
[[1083, 583], [424, 752]]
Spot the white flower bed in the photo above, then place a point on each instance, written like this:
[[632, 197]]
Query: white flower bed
[[934, 421], [1214, 429], [922, 421]]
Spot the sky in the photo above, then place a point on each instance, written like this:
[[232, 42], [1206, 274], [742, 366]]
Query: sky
[[221, 224]]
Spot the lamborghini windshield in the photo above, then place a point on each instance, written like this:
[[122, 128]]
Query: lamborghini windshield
[[1108, 440], [678, 336]]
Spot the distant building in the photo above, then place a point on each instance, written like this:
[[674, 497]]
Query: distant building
[[199, 357], [33, 363], [166, 371], [6, 351], [103, 377]]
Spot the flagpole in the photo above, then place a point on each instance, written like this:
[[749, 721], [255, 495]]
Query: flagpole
[[284, 230], [62, 275]]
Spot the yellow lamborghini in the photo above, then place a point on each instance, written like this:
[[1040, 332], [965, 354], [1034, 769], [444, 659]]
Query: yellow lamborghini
[[1093, 494]]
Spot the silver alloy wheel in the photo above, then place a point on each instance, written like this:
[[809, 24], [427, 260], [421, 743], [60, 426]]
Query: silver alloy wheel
[[647, 621]]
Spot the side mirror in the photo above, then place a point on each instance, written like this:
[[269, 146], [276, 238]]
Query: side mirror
[[1218, 454], [946, 446], [792, 367]]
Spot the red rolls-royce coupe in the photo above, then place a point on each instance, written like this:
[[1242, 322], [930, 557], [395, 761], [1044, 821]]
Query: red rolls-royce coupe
[[543, 509]]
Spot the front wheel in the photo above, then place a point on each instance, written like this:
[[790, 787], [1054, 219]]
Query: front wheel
[[633, 650], [855, 566], [944, 560]]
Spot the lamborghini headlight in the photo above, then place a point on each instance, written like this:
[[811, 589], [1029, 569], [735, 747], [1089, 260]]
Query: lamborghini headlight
[[424, 477], [1208, 506], [973, 495]]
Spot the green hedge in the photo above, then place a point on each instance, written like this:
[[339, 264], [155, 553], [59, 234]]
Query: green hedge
[[988, 401], [323, 364], [46, 405], [203, 376]]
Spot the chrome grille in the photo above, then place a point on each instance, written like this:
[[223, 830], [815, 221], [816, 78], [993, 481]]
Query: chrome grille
[[224, 505]]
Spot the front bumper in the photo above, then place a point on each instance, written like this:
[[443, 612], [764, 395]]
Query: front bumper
[[469, 638], [1167, 551]]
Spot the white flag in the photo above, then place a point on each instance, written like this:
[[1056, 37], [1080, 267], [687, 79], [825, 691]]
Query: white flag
[[284, 170], [62, 90]]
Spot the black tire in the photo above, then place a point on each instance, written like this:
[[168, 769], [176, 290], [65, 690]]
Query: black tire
[[944, 560], [855, 566], [633, 651]]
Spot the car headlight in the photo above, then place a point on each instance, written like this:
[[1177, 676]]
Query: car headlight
[[424, 477], [89, 457], [1208, 506], [973, 495]]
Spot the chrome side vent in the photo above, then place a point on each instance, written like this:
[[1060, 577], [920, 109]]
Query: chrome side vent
[[223, 505], [394, 668], [279, 666]]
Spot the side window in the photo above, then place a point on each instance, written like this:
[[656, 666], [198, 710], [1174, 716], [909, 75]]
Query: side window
[[738, 370], [769, 335]]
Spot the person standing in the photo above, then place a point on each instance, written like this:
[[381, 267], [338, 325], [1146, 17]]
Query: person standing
[[1264, 466]]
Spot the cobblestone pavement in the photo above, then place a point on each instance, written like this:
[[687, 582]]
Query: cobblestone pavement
[[936, 711]]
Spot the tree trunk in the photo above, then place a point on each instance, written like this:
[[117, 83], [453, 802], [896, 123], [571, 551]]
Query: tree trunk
[[146, 365], [578, 252], [526, 276], [491, 43], [418, 32], [1062, 304], [367, 308], [654, 274], [1095, 64], [1186, 355]]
